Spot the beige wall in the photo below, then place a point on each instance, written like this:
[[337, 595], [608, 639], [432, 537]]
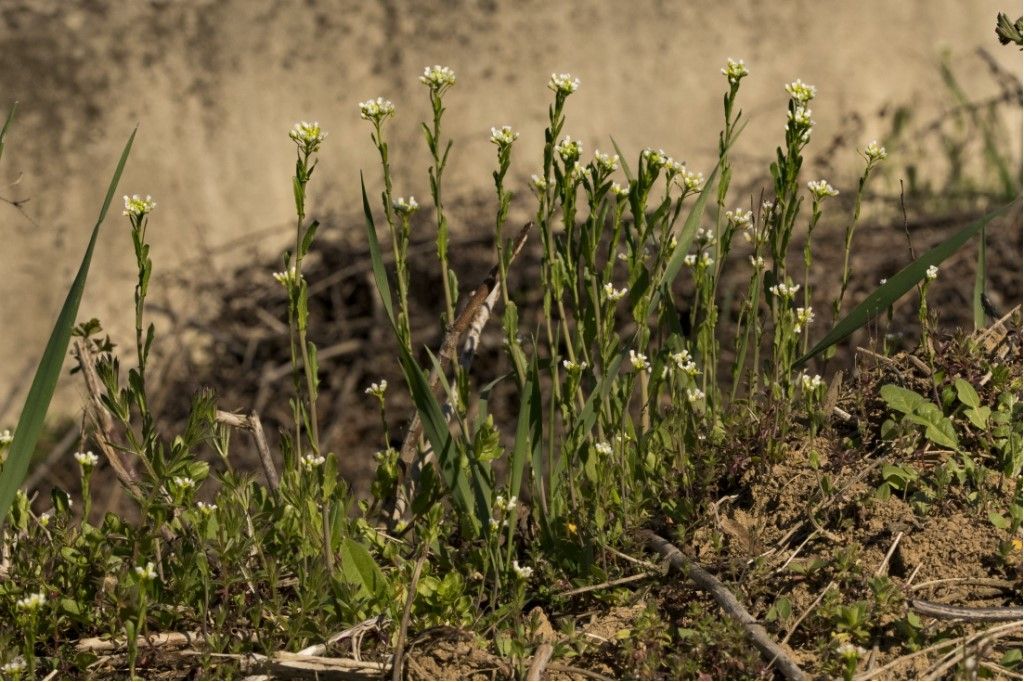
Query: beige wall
[[216, 84]]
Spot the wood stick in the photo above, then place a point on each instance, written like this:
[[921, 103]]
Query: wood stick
[[251, 423], [540, 661], [772, 652], [948, 612]]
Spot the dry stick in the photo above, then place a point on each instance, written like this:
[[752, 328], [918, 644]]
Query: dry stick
[[540, 661], [102, 420], [610, 583], [771, 651], [581, 672], [355, 632], [466, 321], [947, 612], [403, 630], [883, 567], [251, 423]]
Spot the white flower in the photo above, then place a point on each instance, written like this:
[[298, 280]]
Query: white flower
[[563, 83], [503, 136], [577, 173], [694, 395], [874, 152], [809, 383], [690, 181], [569, 149], [603, 448], [183, 482], [690, 259], [146, 573], [136, 205], [287, 278], [6, 438], [510, 506], [804, 317], [606, 163], [87, 460], [639, 361], [801, 116], [705, 236], [883, 280], [13, 668], [377, 389], [659, 159], [538, 183], [614, 294], [523, 572], [801, 92], [734, 70], [740, 217], [848, 649], [312, 461], [822, 189], [438, 78], [574, 367], [44, 519], [32, 602], [376, 110], [757, 262], [307, 136], [405, 207], [784, 291], [931, 273], [205, 508], [620, 191], [706, 260], [499, 502]]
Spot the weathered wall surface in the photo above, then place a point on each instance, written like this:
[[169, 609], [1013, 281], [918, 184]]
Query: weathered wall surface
[[216, 84]]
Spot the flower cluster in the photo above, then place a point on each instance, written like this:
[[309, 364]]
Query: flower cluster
[[606, 163], [574, 367], [146, 573], [690, 181], [13, 669], [804, 317], [504, 136], [438, 78], [6, 438], [405, 207], [639, 361], [32, 602], [783, 290], [931, 273], [694, 395], [563, 83], [86, 460], [810, 384], [734, 71], [619, 191], [569, 149], [741, 218], [307, 136], [205, 508], [875, 153], [523, 572], [183, 483], [377, 389], [801, 92], [821, 189], [312, 461], [603, 448], [376, 110], [705, 260], [614, 294], [136, 206], [538, 183], [287, 278], [684, 362]]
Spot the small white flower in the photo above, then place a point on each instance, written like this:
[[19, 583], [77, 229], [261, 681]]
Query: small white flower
[[801, 92], [287, 278], [137, 206], [312, 461], [690, 181], [307, 136], [13, 668], [538, 183], [639, 361], [438, 78], [883, 280], [377, 389], [523, 572], [6, 438], [874, 153], [804, 317], [510, 506], [577, 173], [499, 502], [734, 70], [569, 149], [183, 483], [706, 260], [821, 189], [694, 395], [620, 191], [405, 207], [574, 367], [848, 649], [605, 162], [931, 273], [659, 159], [146, 573], [504, 136], [32, 602], [44, 519], [757, 262], [690, 259], [603, 448], [784, 291], [809, 383], [376, 110], [705, 236], [740, 217], [801, 117], [206, 509], [494, 523], [614, 294], [87, 460], [563, 83]]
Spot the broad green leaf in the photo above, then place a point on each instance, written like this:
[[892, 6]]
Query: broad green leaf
[[886, 295], [979, 416], [966, 393], [901, 399], [938, 428], [40, 393], [360, 569]]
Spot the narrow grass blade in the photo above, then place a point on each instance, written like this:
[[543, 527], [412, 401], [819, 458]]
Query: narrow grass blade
[[30, 423], [7, 124], [899, 284], [980, 275], [380, 275], [528, 431]]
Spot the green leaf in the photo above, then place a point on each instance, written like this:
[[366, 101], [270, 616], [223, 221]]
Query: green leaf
[[528, 430], [7, 124], [901, 399], [886, 295], [938, 429], [380, 275], [966, 393], [40, 393], [979, 416], [980, 272], [360, 569], [997, 520]]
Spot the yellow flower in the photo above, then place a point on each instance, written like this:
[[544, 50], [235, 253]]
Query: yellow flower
[[570, 527]]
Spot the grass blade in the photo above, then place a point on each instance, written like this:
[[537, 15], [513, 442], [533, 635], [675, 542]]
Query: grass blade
[[7, 124], [980, 274], [30, 423], [899, 284]]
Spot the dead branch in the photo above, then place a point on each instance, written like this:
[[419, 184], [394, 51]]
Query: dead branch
[[251, 423], [540, 661], [772, 652], [948, 612]]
